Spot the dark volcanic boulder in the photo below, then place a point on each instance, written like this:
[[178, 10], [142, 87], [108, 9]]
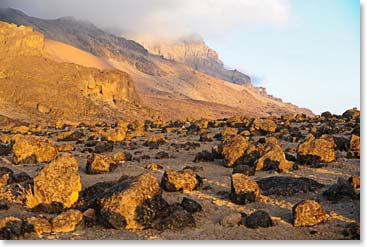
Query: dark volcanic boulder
[[351, 114], [176, 218], [244, 169], [315, 150], [204, 156], [99, 163], [11, 228], [308, 213], [342, 189], [103, 147], [190, 205], [287, 186], [243, 189], [133, 203], [185, 180], [257, 219]]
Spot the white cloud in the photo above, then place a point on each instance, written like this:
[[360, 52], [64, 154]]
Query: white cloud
[[163, 19]]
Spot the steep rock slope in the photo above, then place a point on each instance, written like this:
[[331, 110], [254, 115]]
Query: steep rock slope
[[171, 87], [34, 86], [194, 51]]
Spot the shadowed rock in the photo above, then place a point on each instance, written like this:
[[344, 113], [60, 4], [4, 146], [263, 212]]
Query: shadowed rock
[[342, 189], [133, 203], [177, 219], [257, 219], [244, 169], [308, 213], [204, 156], [287, 186], [354, 147], [190, 205]]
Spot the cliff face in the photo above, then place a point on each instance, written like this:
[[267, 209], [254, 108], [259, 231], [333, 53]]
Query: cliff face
[[31, 81], [195, 52]]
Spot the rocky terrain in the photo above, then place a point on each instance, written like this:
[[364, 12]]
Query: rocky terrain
[[288, 177], [173, 88]]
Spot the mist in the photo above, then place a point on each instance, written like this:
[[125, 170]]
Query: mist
[[162, 19]]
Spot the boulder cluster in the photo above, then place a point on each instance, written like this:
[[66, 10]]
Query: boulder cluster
[[54, 200]]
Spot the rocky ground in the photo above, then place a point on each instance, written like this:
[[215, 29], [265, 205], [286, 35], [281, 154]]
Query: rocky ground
[[292, 177]]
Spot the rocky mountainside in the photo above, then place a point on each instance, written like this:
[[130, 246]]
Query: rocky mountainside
[[194, 51], [175, 89], [34, 86]]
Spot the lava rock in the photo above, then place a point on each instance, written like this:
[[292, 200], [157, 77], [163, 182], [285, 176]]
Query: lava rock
[[316, 150], [257, 219], [287, 186], [6, 176], [204, 156], [308, 213], [244, 169], [99, 163], [162, 155], [67, 221], [40, 225], [33, 149], [354, 147], [233, 149], [243, 189], [185, 180], [274, 159], [264, 125], [177, 219], [103, 147], [231, 220], [133, 203], [153, 167], [57, 182], [342, 189], [190, 205], [70, 136]]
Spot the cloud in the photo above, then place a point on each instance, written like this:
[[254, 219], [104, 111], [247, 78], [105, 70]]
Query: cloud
[[163, 19]]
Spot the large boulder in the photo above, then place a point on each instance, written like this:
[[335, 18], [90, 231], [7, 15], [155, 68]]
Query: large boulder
[[243, 189], [315, 150], [33, 149], [57, 182], [133, 203], [308, 213], [99, 163], [185, 180], [351, 114], [274, 159], [233, 149]]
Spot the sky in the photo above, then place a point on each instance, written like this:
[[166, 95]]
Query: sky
[[306, 52]]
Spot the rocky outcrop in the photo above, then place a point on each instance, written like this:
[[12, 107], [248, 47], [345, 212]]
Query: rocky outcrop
[[33, 82], [57, 182]]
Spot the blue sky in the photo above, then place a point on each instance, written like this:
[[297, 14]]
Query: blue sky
[[313, 60]]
